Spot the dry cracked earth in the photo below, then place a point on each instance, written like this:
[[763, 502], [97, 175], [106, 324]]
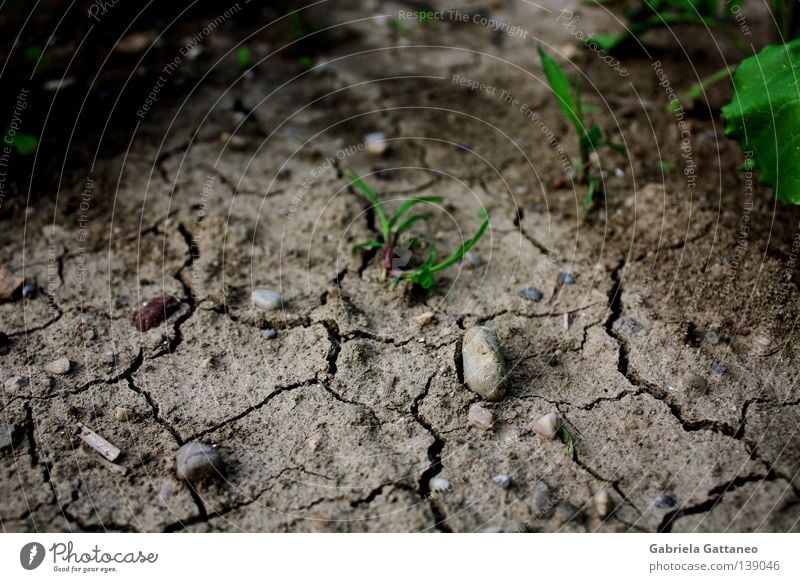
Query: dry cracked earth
[[671, 358]]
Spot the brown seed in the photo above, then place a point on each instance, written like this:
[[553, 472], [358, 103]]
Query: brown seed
[[155, 312]]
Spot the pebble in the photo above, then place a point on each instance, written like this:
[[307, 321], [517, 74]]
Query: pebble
[[89, 335], [29, 289], [694, 382], [551, 358], [503, 481], [109, 357], [122, 414], [566, 278], [166, 491], [665, 502], [713, 337], [155, 312], [473, 260], [16, 382], [59, 367], [484, 366], [719, 368], [548, 425], [627, 325], [440, 484], [269, 334], [425, 318], [8, 434], [267, 299], [481, 417], [375, 143], [531, 294], [602, 503], [196, 460]]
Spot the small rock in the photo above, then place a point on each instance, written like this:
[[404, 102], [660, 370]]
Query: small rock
[[569, 51], [602, 503], [481, 417], [8, 435], [196, 460], [155, 312], [89, 335], [719, 368], [665, 502], [375, 143], [694, 382], [425, 318], [483, 363], [122, 414], [10, 284], [440, 484], [713, 337], [548, 425], [627, 325], [269, 334], [166, 491], [503, 481], [473, 260], [59, 367], [29, 289], [109, 358], [531, 294], [566, 278], [267, 299], [551, 358], [15, 383]]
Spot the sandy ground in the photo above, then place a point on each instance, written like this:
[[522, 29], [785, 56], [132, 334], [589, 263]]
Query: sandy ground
[[676, 364]]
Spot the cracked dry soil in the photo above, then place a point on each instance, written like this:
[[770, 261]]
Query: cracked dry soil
[[341, 422]]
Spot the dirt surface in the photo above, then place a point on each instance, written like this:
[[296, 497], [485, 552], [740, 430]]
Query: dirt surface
[[675, 372]]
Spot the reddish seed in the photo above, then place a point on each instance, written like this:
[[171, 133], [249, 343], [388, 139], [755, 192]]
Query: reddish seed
[[155, 312]]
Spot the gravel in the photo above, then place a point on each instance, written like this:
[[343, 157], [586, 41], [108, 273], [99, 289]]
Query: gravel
[[196, 460], [531, 294], [503, 481], [480, 417], [627, 326], [58, 367], [548, 425], [267, 299]]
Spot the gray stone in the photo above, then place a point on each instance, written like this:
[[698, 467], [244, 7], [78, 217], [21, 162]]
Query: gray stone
[[59, 367], [503, 481], [8, 435], [15, 383], [627, 326], [196, 460], [267, 299], [484, 366]]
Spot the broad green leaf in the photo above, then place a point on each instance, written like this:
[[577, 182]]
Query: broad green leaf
[[764, 116], [562, 88]]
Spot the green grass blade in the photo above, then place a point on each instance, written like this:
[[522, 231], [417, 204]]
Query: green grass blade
[[409, 204], [456, 256], [370, 244], [408, 222], [372, 197], [562, 89]]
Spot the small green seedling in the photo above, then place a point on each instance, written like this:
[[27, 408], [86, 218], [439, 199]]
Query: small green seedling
[[392, 229], [23, 143], [243, 58], [568, 95], [566, 436]]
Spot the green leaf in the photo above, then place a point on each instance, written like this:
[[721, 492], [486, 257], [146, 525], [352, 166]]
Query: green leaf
[[408, 222], [562, 88], [370, 244], [23, 143], [243, 57], [376, 203], [409, 204], [456, 256], [764, 116]]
